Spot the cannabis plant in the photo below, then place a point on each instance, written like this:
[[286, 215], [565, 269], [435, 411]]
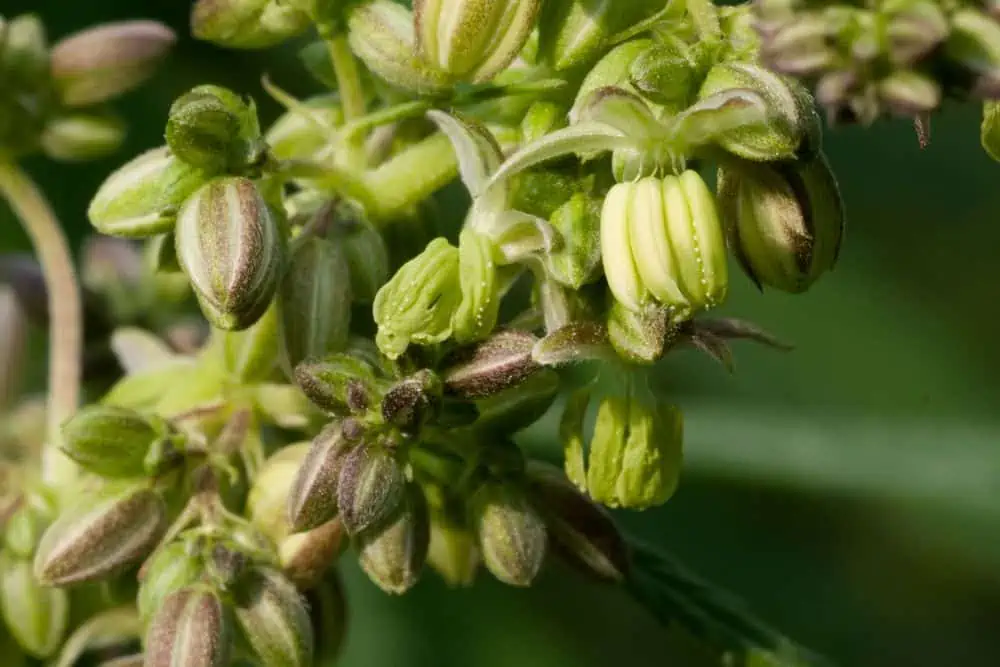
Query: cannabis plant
[[293, 357]]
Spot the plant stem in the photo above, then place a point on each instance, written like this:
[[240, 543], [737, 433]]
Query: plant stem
[[359, 126], [411, 176], [65, 312], [352, 96]]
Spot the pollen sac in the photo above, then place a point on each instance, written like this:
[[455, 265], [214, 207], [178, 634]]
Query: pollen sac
[[116, 442], [306, 557], [411, 402], [141, 198], [100, 63], [792, 127], [175, 566], [498, 363], [370, 488], [393, 555], [476, 315], [101, 537], [784, 222], [473, 40], [214, 129], [312, 499], [339, 383], [274, 619], [418, 304], [267, 502], [576, 32], [512, 536], [231, 249], [36, 615], [193, 628], [247, 24]]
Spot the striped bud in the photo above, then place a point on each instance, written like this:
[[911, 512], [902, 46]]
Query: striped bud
[[367, 255], [512, 536], [382, 35], [339, 383], [369, 489], [393, 555], [141, 198], [193, 628], [500, 362], [231, 249], [577, 32], [785, 222], [473, 40], [314, 301], [792, 126], [214, 129], [274, 619], [661, 239], [411, 402], [101, 536], [306, 557], [82, 137], [35, 615], [417, 305], [477, 313], [247, 24], [175, 566], [115, 442], [312, 500], [103, 62]]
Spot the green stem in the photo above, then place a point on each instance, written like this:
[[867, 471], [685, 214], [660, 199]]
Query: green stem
[[65, 312], [345, 67], [355, 129], [706, 19], [411, 177]]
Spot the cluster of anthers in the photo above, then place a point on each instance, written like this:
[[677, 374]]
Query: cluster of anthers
[[367, 368]]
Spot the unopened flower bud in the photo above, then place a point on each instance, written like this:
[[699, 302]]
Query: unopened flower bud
[[214, 129], [915, 31], [512, 536], [498, 363], [580, 531], [664, 73], [908, 93], [640, 337], [477, 313], [24, 528], [306, 557], [175, 566], [115, 442], [35, 615], [577, 260], [193, 628], [229, 245], [473, 40], [454, 551], [312, 500], [338, 383], [142, 198], [314, 301], [393, 554], [409, 403], [417, 305], [370, 487], [576, 32], [81, 137], [800, 47], [366, 251], [274, 619], [974, 43], [613, 70], [246, 24], [784, 223], [103, 62], [101, 536], [792, 125], [382, 35]]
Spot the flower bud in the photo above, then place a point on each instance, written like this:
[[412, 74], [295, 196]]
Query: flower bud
[[369, 489], [193, 628], [800, 47], [473, 40], [381, 33], [24, 527], [314, 301], [512, 536], [141, 198], [577, 32], [312, 500], [498, 363], [908, 93], [411, 402], [521, 405], [100, 537], [306, 557], [338, 383], [82, 137], [640, 337], [229, 245], [577, 261], [393, 555], [664, 73], [417, 305], [304, 132], [246, 24], [267, 502], [175, 566], [366, 251], [785, 222], [974, 43], [214, 129], [114, 442], [914, 31], [36, 615], [613, 70], [103, 62], [477, 313], [792, 124], [453, 551], [635, 453], [580, 531], [24, 53], [274, 619]]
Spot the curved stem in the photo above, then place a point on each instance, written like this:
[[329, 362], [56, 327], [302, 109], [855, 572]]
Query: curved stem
[[345, 68], [65, 312]]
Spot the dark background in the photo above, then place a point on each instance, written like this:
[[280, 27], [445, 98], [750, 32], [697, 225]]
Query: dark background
[[848, 490]]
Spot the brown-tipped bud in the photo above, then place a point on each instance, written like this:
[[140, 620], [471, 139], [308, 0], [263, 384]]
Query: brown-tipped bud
[[340, 383], [193, 628], [101, 536], [370, 488], [306, 557], [640, 337], [410, 402], [105, 61], [500, 362], [512, 536], [393, 555], [35, 615], [580, 531], [175, 566], [312, 500], [274, 619]]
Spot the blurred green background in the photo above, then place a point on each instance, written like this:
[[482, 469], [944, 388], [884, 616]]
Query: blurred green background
[[849, 490]]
